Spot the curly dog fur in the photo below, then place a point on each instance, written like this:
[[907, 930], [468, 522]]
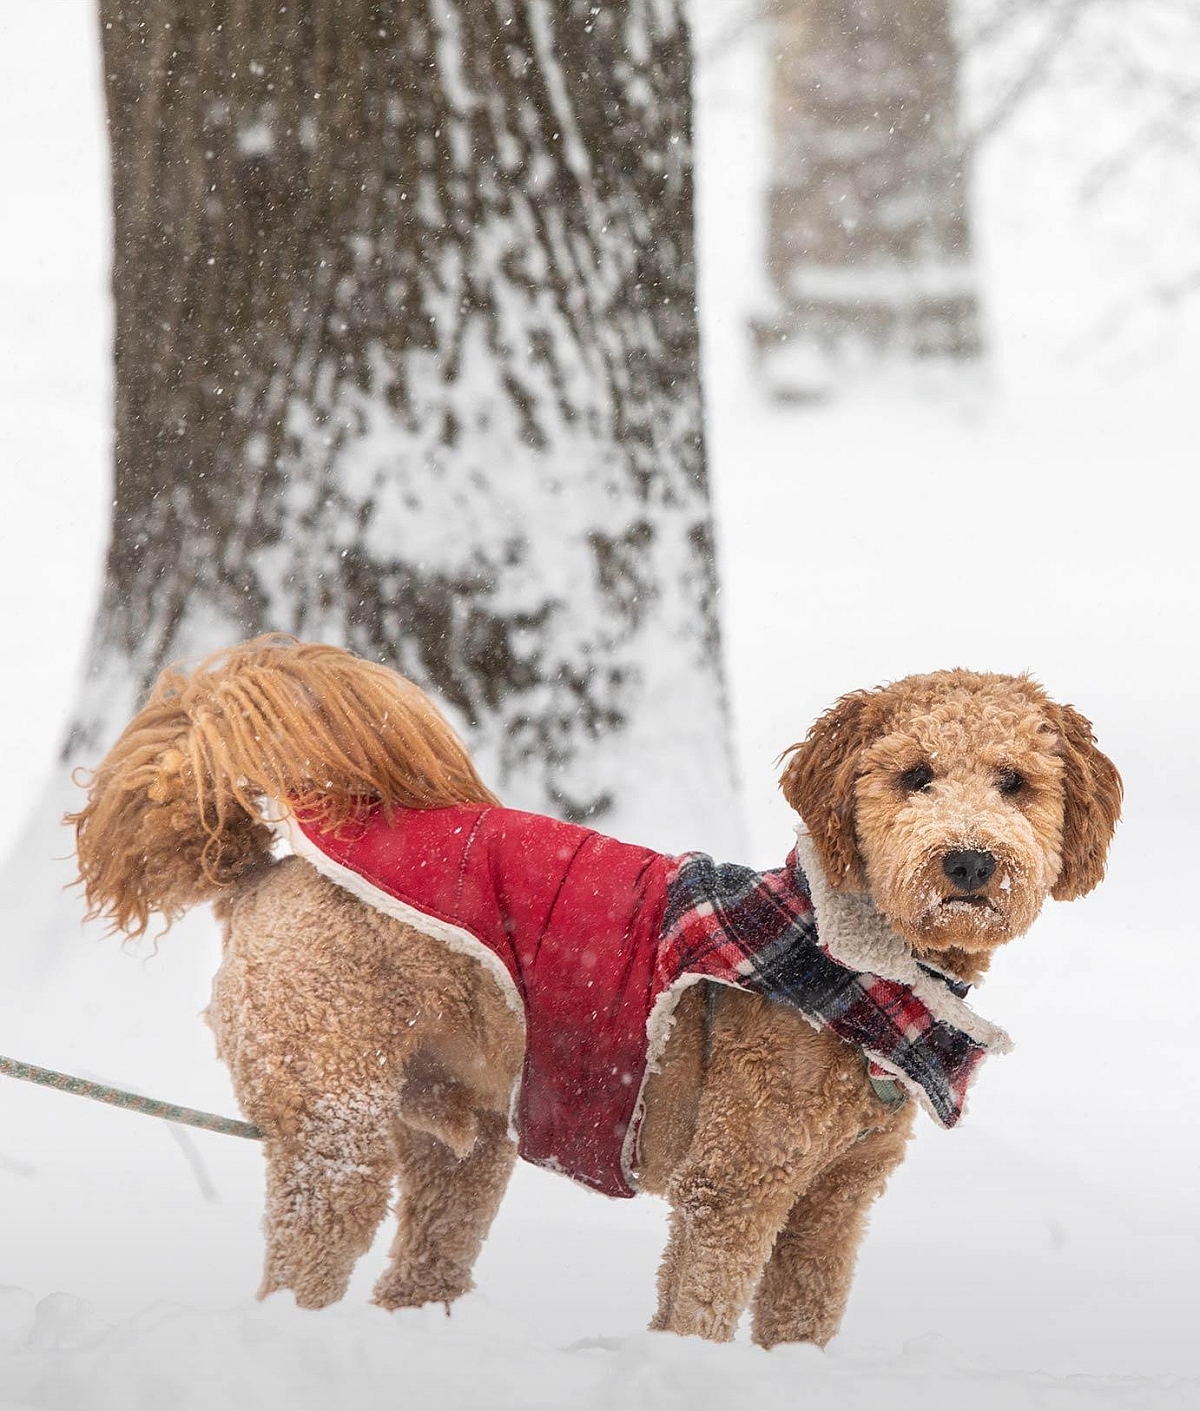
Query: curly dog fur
[[371, 1055]]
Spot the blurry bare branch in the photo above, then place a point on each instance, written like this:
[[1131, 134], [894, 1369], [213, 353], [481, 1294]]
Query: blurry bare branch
[[741, 19], [195, 1163], [1173, 128], [13, 1167], [1167, 296], [1026, 46], [1112, 83], [994, 23], [1058, 33]]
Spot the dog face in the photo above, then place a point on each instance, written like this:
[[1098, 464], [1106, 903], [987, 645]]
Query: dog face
[[960, 801]]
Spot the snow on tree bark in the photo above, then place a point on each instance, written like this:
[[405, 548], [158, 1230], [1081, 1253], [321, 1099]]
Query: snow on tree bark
[[406, 359], [868, 234]]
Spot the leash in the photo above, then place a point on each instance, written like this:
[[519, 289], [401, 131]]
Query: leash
[[131, 1102]]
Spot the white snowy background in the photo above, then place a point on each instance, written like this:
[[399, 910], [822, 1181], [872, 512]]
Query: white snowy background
[[1043, 1255]]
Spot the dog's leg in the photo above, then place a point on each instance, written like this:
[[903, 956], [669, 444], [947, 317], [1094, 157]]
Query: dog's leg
[[446, 1208], [765, 1129], [327, 1191], [723, 1223], [806, 1284]]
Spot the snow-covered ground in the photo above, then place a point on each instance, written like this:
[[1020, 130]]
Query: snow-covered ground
[[1044, 1254]]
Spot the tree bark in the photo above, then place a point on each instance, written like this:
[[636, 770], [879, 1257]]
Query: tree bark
[[868, 234], [406, 359]]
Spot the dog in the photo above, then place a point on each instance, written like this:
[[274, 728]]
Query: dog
[[424, 982]]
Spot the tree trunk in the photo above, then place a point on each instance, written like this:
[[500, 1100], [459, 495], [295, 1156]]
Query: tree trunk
[[868, 239], [406, 359]]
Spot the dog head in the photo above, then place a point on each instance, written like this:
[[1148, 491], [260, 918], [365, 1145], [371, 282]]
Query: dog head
[[959, 801]]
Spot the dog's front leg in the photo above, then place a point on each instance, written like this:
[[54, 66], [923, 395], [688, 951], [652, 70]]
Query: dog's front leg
[[722, 1231], [806, 1283], [764, 1130]]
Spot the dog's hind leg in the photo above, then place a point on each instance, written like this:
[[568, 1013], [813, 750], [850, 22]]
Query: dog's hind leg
[[805, 1286], [447, 1204], [327, 1191]]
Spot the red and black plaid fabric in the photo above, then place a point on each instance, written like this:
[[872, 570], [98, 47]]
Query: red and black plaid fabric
[[757, 931]]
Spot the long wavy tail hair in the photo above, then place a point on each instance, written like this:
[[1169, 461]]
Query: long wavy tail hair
[[174, 813]]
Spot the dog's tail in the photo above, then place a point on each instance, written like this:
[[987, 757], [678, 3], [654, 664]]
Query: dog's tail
[[173, 815]]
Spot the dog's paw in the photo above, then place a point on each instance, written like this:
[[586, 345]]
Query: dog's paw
[[691, 1318], [414, 1291], [777, 1334], [313, 1284], [306, 1295]]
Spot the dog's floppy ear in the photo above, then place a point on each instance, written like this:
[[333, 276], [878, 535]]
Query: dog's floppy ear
[[1092, 805], [819, 784]]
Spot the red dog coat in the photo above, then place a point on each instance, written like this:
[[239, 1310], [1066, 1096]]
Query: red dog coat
[[593, 941]]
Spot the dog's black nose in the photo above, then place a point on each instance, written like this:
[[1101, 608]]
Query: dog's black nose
[[968, 870]]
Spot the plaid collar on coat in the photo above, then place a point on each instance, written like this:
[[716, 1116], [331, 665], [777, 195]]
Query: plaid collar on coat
[[759, 931]]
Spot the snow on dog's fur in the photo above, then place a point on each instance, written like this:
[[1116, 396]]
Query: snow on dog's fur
[[948, 806]]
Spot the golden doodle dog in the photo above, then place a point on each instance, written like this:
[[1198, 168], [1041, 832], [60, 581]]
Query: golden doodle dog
[[423, 982]]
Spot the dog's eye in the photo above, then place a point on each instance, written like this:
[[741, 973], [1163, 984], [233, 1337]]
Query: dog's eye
[[1010, 782], [919, 777]]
